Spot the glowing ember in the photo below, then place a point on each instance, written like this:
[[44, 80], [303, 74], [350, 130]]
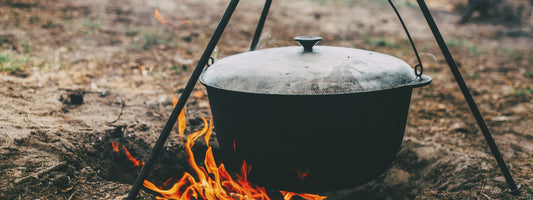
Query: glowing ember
[[115, 146], [302, 174]]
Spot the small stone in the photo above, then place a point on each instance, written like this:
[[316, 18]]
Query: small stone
[[504, 119], [459, 127], [499, 179]]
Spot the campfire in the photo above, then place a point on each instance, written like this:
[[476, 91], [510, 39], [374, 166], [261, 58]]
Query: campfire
[[274, 169], [209, 181]]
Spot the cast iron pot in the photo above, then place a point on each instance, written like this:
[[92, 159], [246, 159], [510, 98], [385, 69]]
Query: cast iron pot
[[310, 119]]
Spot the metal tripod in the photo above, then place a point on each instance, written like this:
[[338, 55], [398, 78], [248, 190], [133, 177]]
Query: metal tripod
[[204, 59]]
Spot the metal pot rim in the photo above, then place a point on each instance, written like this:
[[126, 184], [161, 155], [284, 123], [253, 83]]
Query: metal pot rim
[[425, 80]]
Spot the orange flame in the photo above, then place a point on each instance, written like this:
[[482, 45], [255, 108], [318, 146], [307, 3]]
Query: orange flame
[[160, 17], [186, 22], [136, 163], [182, 124], [198, 94], [174, 100], [212, 181], [182, 121], [289, 195]]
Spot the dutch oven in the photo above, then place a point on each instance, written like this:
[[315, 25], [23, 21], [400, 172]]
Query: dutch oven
[[310, 118]]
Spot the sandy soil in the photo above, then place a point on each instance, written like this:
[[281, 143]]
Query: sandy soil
[[126, 66]]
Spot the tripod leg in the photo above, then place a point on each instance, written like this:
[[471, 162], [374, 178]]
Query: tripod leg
[[182, 100], [260, 24], [514, 188]]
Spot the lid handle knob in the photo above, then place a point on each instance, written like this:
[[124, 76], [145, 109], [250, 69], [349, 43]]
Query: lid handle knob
[[308, 42]]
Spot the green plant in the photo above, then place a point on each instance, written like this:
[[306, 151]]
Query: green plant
[[131, 33], [136, 46], [179, 68], [91, 24], [529, 74], [474, 75], [397, 3], [34, 19], [45, 65], [474, 50], [458, 43], [26, 47], [152, 39], [379, 42], [322, 2], [523, 92], [455, 43], [162, 75], [8, 62], [508, 51]]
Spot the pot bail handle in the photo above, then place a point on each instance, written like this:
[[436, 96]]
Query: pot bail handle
[[308, 42], [419, 69]]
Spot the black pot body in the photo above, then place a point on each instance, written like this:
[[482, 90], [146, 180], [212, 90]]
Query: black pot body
[[310, 143]]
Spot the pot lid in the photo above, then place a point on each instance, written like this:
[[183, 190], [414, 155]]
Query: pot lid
[[308, 70]]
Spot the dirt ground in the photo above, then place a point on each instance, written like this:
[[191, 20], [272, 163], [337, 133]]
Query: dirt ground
[[79, 75]]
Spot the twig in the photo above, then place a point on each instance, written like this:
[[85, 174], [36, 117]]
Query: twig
[[33, 121], [121, 111], [72, 195], [44, 171], [483, 183], [486, 196]]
